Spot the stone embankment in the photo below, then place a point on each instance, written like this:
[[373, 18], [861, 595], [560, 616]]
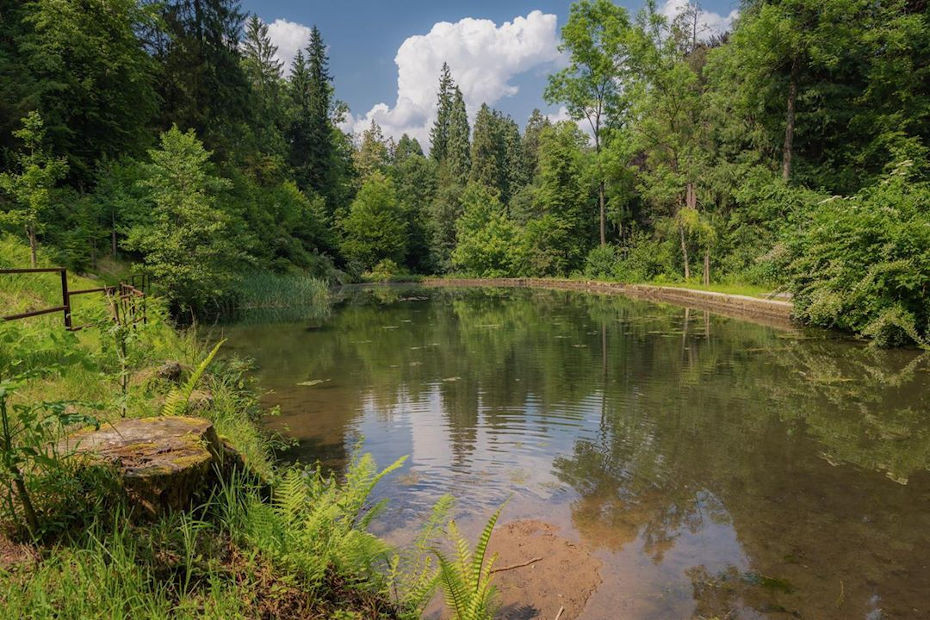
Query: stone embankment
[[774, 312]]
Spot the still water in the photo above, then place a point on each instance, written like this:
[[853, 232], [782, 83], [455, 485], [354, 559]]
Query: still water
[[715, 467]]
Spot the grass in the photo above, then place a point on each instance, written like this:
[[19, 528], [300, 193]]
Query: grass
[[283, 543], [729, 288], [265, 297]]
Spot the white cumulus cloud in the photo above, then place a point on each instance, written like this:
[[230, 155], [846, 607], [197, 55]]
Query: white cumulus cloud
[[483, 58], [709, 23], [288, 37]]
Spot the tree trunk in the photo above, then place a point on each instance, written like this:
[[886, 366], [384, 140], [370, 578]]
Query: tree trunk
[[600, 197], [789, 121], [706, 267], [684, 251], [31, 232], [113, 238]]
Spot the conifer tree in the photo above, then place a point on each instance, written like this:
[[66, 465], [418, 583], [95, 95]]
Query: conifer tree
[[202, 85], [458, 158], [373, 154], [259, 59], [30, 188], [310, 133], [487, 150], [530, 143], [439, 134], [406, 147]]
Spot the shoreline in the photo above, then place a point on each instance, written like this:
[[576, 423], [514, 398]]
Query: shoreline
[[770, 312]]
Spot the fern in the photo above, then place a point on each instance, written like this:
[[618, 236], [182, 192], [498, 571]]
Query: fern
[[466, 579], [177, 401]]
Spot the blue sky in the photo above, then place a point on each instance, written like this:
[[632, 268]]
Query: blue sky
[[503, 65]]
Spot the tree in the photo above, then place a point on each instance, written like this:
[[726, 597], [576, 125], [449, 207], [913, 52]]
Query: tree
[[185, 242], [90, 78], [560, 229], [439, 134], [666, 93], [372, 154], [260, 62], [530, 142], [311, 130], [31, 188], [590, 87], [487, 240], [406, 147], [202, 84], [458, 156], [263, 71], [488, 151], [496, 153], [375, 228], [415, 179]]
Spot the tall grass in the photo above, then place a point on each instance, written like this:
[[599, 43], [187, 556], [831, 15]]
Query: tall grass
[[269, 297]]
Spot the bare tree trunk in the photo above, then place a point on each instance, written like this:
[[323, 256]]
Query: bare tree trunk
[[789, 121], [31, 232], [706, 267], [600, 197], [684, 252]]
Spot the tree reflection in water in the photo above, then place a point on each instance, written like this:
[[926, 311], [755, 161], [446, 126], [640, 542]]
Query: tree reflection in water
[[756, 471]]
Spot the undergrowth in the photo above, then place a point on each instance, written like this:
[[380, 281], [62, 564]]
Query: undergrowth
[[270, 542]]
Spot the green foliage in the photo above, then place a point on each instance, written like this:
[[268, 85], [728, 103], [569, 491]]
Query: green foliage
[[178, 399], [310, 129], [184, 243], [314, 524], [487, 239], [375, 227], [384, 271], [601, 262], [92, 78], [860, 263], [466, 577], [268, 297], [31, 188]]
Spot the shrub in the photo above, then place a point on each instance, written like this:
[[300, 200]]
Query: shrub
[[862, 263], [644, 259], [601, 262], [487, 240], [384, 271]]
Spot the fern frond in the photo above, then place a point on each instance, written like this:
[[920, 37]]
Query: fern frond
[[178, 399], [481, 548], [452, 585]]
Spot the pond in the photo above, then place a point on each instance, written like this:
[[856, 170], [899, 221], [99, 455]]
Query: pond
[[713, 466]]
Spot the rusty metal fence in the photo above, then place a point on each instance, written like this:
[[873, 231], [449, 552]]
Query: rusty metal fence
[[127, 300]]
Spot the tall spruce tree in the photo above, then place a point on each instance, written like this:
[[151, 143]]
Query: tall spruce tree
[[458, 157], [439, 134], [310, 132], [260, 62], [202, 85], [530, 143], [89, 76], [487, 150], [495, 153], [263, 71]]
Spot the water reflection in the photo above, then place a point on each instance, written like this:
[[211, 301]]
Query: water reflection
[[717, 466]]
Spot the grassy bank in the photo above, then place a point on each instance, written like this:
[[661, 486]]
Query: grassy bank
[[300, 551]]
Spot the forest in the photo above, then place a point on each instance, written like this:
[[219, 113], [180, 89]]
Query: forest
[[789, 153]]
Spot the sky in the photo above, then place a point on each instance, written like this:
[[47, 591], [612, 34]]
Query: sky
[[385, 56]]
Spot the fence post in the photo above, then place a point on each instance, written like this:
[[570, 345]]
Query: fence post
[[66, 298]]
